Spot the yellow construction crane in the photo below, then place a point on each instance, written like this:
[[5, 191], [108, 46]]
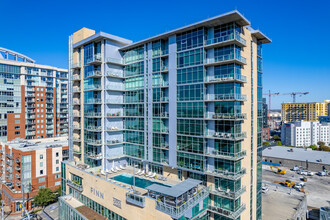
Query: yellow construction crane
[[279, 171]]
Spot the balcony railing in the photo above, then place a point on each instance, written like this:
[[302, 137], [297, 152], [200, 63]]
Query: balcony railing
[[228, 175], [93, 114], [177, 212], [76, 77], [229, 214], [222, 39], [94, 73], [93, 141], [135, 199], [95, 156], [76, 126], [228, 155], [226, 58], [93, 101], [75, 65], [115, 61], [93, 87], [76, 102], [95, 59], [226, 78], [74, 185], [225, 97], [226, 116], [114, 74], [94, 128], [76, 89], [228, 193], [226, 135]]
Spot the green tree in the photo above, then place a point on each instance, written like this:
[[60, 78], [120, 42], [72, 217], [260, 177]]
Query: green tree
[[266, 143], [320, 143], [278, 143], [44, 197], [324, 148], [314, 147], [276, 137]]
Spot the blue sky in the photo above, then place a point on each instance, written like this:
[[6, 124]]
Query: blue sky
[[297, 60]]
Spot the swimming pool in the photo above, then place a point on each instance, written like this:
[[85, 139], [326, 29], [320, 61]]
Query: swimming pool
[[139, 182]]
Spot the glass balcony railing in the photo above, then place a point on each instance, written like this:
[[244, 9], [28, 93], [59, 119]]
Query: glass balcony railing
[[93, 141], [114, 74], [228, 193], [93, 87], [115, 101], [228, 155], [226, 135], [225, 39], [227, 213], [76, 89], [74, 185], [225, 116], [76, 77], [225, 97], [75, 65], [228, 57], [114, 61], [93, 114], [93, 101], [226, 78], [94, 128], [94, 73], [95, 59], [227, 174], [76, 102]]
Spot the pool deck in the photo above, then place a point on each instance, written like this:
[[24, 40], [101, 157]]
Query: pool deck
[[129, 170]]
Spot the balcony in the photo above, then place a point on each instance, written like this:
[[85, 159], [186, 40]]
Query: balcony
[[76, 127], [74, 185], [93, 141], [76, 78], [50, 131], [225, 59], [225, 116], [94, 74], [93, 87], [228, 155], [226, 213], [114, 75], [226, 78], [76, 102], [114, 142], [114, 101], [76, 139], [49, 116], [115, 61], [30, 133], [76, 114], [94, 156], [76, 90], [10, 156], [93, 101], [228, 193], [224, 97], [135, 198], [92, 114], [94, 128], [75, 151], [164, 99], [228, 175], [75, 66], [95, 60], [18, 168], [224, 41], [226, 135]]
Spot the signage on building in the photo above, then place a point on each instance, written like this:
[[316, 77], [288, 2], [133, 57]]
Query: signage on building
[[97, 193], [116, 202]]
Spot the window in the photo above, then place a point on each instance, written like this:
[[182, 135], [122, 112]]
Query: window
[[57, 154], [41, 172], [41, 180], [17, 132], [41, 164], [57, 183], [41, 186], [57, 176], [57, 169], [57, 161], [41, 156]]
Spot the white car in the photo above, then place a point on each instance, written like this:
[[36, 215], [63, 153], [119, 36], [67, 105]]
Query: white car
[[295, 168], [264, 189], [303, 173], [309, 173], [322, 173]]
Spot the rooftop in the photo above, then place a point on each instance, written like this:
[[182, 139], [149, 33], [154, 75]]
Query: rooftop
[[37, 144], [299, 154], [12, 55]]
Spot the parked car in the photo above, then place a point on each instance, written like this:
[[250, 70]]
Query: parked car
[[295, 168], [264, 189], [310, 173], [322, 173], [303, 173]]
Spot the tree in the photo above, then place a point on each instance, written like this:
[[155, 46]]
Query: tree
[[44, 197], [324, 148], [276, 137], [320, 143], [314, 147], [266, 143], [278, 143]]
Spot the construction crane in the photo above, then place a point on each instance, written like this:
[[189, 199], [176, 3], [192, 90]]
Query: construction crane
[[293, 94]]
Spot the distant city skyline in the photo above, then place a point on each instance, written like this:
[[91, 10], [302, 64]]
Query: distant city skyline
[[292, 62]]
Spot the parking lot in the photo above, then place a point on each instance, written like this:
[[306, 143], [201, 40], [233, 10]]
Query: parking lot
[[317, 188]]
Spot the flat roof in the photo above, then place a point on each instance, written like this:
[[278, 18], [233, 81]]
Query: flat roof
[[101, 35], [298, 154], [232, 16], [37, 144], [177, 190]]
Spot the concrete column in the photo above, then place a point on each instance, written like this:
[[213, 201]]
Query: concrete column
[[172, 77]]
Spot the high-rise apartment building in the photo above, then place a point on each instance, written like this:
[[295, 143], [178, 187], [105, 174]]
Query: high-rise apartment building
[[305, 133], [169, 127], [309, 111], [34, 98], [29, 166]]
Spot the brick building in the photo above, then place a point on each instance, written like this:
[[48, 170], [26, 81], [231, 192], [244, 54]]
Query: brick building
[[32, 164]]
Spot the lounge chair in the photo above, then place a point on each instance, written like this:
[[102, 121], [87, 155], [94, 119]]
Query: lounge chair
[[138, 172], [143, 172], [149, 174], [117, 168], [121, 167], [113, 170], [152, 175]]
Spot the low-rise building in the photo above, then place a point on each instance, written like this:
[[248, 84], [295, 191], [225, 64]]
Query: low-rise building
[[30, 166], [305, 133], [289, 157]]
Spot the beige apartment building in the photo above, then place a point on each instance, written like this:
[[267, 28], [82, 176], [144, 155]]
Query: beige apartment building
[[169, 127], [308, 111]]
